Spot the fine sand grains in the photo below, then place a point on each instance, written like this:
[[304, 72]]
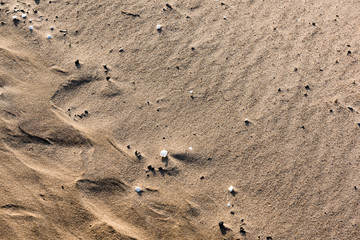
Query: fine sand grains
[[253, 107]]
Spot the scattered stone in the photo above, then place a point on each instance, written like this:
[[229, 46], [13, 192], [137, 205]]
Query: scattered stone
[[307, 87], [106, 68], [350, 108], [331, 110], [31, 28], [313, 24], [358, 124], [223, 229], [128, 146], [232, 213], [229, 204], [48, 37], [24, 15], [190, 148], [295, 69], [279, 90], [224, 18], [169, 6], [163, 153], [231, 189], [355, 187], [193, 49], [242, 231], [137, 189], [268, 238], [137, 154], [77, 63], [121, 50], [52, 28], [247, 122], [349, 53], [159, 28], [303, 127], [202, 177]]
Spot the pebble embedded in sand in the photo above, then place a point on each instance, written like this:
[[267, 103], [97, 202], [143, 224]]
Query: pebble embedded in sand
[[163, 153], [231, 189], [24, 15], [52, 28], [190, 148], [159, 28], [48, 37], [137, 189], [247, 121], [31, 28], [14, 17], [229, 204]]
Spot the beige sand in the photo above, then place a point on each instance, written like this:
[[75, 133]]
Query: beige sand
[[69, 134]]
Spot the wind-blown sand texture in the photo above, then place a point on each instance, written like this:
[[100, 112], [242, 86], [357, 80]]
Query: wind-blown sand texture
[[69, 132]]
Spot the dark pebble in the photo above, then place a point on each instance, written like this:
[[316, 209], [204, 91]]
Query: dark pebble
[[307, 87]]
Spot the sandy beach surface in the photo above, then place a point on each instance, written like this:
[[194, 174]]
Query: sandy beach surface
[[263, 96]]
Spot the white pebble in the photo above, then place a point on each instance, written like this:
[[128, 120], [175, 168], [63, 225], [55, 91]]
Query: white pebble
[[191, 92], [229, 204], [14, 17], [24, 15], [158, 27], [49, 37], [31, 28], [163, 153], [30, 20], [137, 189], [231, 189], [224, 17], [190, 148]]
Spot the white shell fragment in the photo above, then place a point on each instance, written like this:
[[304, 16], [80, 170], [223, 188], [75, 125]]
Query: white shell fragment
[[137, 189], [24, 15], [231, 189], [163, 153], [158, 27]]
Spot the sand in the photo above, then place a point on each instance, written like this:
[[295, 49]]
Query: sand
[[249, 94]]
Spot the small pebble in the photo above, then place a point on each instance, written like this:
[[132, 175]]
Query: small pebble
[[30, 21], [158, 27], [31, 28], [24, 15], [224, 18], [231, 189], [229, 204], [49, 37], [52, 28], [247, 122], [137, 189], [163, 153], [350, 108], [14, 17], [190, 148]]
